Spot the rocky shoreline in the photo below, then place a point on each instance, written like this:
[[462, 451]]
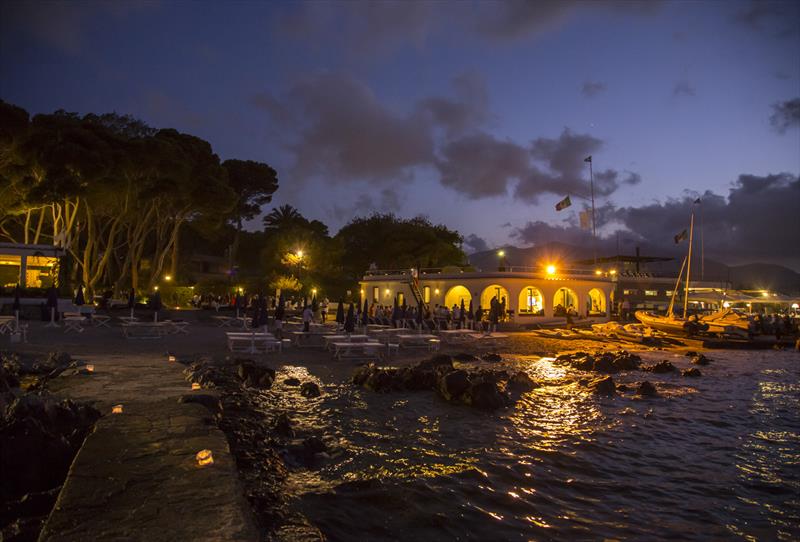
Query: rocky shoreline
[[40, 437]]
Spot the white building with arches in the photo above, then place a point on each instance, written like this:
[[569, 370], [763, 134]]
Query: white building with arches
[[529, 295]]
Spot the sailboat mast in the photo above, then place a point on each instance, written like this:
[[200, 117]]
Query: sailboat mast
[[670, 311], [688, 269]]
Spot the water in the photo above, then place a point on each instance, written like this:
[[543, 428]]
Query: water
[[717, 457]]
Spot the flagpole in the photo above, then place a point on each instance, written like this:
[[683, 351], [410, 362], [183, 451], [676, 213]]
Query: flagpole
[[702, 245], [594, 231], [688, 268]]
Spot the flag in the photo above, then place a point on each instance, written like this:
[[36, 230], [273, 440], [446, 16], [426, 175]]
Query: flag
[[585, 220], [563, 204], [697, 201], [681, 236], [588, 158]]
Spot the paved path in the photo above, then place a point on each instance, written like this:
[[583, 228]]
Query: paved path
[[136, 477]]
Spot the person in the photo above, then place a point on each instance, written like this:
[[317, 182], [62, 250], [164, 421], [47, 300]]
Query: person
[[324, 309], [570, 321], [502, 307], [308, 317], [494, 314], [626, 309]]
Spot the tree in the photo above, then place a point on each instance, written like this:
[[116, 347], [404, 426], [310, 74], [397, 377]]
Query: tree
[[283, 217]]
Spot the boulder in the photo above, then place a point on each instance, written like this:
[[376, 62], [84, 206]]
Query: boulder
[[521, 382], [604, 364], [363, 373], [603, 386], [662, 366], [314, 445], [492, 357], [255, 376], [292, 381], [382, 380], [485, 395], [700, 359], [622, 387], [693, 371], [438, 361], [463, 356], [453, 384], [283, 425], [625, 361], [416, 379], [310, 389], [690, 353], [647, 389]]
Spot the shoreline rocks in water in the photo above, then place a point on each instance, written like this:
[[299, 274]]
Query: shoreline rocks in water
[[601, 362], [40, 436], [483, 389]]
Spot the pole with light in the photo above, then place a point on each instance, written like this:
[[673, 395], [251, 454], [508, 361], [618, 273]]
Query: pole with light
[[591, 185]]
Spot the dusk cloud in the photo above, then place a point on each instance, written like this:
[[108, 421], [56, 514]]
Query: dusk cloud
[[785, 115], [590, 89], [473, 243], [469, 109], [776, 18]]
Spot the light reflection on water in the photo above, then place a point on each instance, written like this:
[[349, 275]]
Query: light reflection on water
[[714, 457]]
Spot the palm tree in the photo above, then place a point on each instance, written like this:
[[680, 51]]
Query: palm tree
[[282, 217]]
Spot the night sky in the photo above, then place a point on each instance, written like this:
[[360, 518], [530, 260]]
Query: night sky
[[476, 114]]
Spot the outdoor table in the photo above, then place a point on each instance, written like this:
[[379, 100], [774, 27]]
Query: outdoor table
[[253, 342], [6, 324], [74, 323], [456, 335], [489, 337], [330, 339], [418, 340], [356, 349], [224, 321], [127, 319], [144, 330], [178, 328]]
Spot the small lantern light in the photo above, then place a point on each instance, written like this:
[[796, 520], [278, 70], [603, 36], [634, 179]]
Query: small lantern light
[[171, 358], [204, 457], [116, 409], [195, 385], [90, 368]]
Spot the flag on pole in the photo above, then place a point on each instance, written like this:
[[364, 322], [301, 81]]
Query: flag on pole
[[588, 158], [697, 201], [681, 236], [585, 220], [563, 204]]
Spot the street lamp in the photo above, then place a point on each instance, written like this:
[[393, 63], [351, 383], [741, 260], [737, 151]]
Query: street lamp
[[501, 254], [551, 269]]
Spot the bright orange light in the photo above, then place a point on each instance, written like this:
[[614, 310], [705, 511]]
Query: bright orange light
[[204, 457], [501, 253], [117, 409], [598, 272], [168, 277], [551, 269], [299, 253], [195, 386], [613, 272]]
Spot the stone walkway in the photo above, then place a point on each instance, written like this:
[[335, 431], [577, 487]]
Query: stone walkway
[[136, 477]]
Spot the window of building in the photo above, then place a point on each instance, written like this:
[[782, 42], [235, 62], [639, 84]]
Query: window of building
[[651, 292], [401, 299], [426, 294], [630, 292], [376, 294]]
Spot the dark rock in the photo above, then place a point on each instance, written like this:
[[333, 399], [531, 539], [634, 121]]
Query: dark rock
[[314, 445], [436, 362], [647, 389], [382, 380], [292, 381], [521, 381], [604, 364], [211, 402], [255, 376], [485, 395], [700, 359], [283, 425], [662, 366], [693, 371], [492, 357], [310, 389], [463, 356], [622, 387], [453, 384], [363, 373], [625, 361], [690, 353], [31, 505], [603, 386], [416, 379]]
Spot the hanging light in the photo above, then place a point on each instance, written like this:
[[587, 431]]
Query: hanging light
[[90, 368], [171, 358], [195, 386], [116, 409]]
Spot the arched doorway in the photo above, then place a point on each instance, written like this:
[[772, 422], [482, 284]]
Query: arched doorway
[[455, 295], [563, 300], [596, 302], [492, 291], [531, 301]]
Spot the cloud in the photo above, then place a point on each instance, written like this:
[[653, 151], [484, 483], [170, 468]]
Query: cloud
[[785, 115], [683, 88], [343, 133], [473, 243], [779, 19], [387, 201], [479, 165], [758, 220], [468, 111], [590, 89]]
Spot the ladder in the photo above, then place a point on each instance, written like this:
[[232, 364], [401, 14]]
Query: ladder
[[415, 291]]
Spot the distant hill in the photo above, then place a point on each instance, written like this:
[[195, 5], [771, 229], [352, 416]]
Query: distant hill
[[742, 277]]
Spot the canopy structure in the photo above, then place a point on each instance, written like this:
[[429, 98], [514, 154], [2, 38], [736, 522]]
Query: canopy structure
[[732, 297]]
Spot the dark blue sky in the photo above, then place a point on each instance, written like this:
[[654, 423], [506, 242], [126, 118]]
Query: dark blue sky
[[477, 114]]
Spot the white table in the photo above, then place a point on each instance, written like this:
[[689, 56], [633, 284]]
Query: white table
[[101, 320], [74, 323], [456, 335], [419, 340], [253, 342], [144, 330], [352, 350], [329, 340]]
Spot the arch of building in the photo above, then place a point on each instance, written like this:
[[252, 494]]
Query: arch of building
[[531, 301], [455, 295], [494, 290], [566, 298], [596, 302]]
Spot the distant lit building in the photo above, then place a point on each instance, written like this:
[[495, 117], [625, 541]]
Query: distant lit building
[[30, 266]]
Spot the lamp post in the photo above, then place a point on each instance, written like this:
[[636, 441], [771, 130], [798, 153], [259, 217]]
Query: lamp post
[[501, 254]]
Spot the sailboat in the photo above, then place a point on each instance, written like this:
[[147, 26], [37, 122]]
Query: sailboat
[[723, 322]]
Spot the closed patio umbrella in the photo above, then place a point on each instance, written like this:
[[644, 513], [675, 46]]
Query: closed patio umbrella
[[155, 304], [365, 314], [264, 313], [462, 316], [280, 310], [80, 300], [350, 321], [132, 301], [340, 312]]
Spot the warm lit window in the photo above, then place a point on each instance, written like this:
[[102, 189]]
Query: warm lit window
[[376, 294], [426, 294], [651, 292], [630, 292]]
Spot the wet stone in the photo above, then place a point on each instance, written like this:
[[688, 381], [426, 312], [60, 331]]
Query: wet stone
[[693, 371], [292, 381], [662, 367], [310, 389], [646, 389]]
